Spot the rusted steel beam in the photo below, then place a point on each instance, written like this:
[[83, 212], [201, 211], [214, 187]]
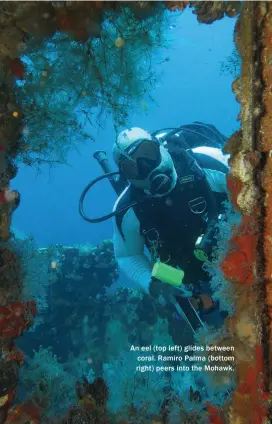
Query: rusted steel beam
[[265, 146], [250, 187], [245, 34]]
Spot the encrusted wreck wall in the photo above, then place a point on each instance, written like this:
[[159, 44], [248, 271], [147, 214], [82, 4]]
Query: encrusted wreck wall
[[248, 264], [249, 185]]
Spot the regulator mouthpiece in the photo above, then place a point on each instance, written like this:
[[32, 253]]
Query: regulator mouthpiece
[[160, 184]]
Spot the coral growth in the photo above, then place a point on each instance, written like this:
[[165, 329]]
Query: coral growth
[[9, 373], [91, 30], [209, 11], [102, 76], [22, 414], [35, 272], [47, 383], [176, 5], [237, 265], [16, 318], [232, 65], [10, 269]]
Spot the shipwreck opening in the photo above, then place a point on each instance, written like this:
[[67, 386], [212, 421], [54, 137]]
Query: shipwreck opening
[[47, 101]]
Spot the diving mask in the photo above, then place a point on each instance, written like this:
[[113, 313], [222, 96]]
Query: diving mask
[[140, 159]]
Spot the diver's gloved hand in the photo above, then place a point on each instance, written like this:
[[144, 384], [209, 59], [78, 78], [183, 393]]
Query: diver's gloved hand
[[168, 294], [171, 294], [182, 291]]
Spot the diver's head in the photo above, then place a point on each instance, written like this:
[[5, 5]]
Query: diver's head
[[144, 162]]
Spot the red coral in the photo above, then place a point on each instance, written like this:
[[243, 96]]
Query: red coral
[[2, 196], [65, 23], [73, 25], [237, 266], [17, 68], [11, 353], [214, 414], [31, 410], [25, 413], [254, 386], [247, 244], [18, 356], [16, 318]]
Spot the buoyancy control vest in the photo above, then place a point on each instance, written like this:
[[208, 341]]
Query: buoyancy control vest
[[172, 224]]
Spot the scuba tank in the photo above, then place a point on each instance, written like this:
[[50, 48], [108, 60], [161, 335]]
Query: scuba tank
[[192, 135]]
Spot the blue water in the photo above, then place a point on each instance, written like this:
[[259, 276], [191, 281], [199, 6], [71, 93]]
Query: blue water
[[79, 320], [191, 89]]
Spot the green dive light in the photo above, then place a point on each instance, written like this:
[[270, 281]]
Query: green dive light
[[167, 274], [205, 243], [200, 250]]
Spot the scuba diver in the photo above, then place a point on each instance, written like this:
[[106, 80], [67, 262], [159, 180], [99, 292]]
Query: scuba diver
[[173, 191]]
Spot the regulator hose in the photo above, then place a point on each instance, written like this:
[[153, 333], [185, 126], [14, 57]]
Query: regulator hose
[[105, 217]]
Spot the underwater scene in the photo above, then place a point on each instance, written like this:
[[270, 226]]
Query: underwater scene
[[130, 212]]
